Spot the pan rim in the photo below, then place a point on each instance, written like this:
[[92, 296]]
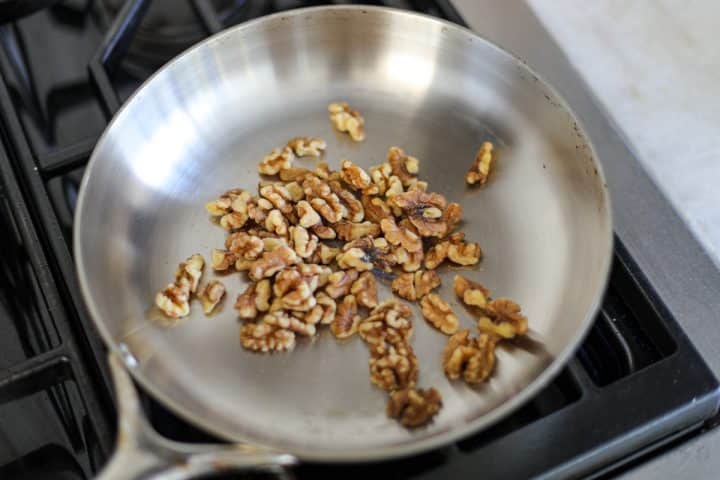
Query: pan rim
[[369, 453]]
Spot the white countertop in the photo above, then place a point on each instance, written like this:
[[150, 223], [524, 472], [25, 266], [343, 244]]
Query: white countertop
[[655, 65]]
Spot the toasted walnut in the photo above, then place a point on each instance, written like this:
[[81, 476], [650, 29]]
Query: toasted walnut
[[293, 174], [365, 290], [472, 293], [303, 242], [474, 358], [413, 286], [278, 195], [352, 231], [173, 301], [272, 262], [271, 243], [379, 174], [315, 275], [394, 188], [376, 251], [346, 319], [424, 210], [396, 368], [410, 261], [414, 408], [503, 317], [323, 254], [307, 214], [375, 208], [339, 283], [346, 119], [353, 258], [354, 210], [244, 245], [263, 337], [323, 231], [278, 159], [331, 213], [388, 318], [328, 308], [276, 223], [452, 215], [307, 146], [403, 166], [464, 253], [436, 255], [439, 314], [257, 210], [396, 235], [322, 170], [354, 175], [282, 320], [232, 200], [480, 169], [189, 272], [233, 221], [254, 299], [323, 200], [211, 295]]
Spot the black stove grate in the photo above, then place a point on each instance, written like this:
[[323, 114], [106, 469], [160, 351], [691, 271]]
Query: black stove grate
[[628, 389]]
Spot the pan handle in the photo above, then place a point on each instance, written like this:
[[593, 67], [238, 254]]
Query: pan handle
[[141, 452]]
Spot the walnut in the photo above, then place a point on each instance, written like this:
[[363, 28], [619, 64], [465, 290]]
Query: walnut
[[282, 320], [294, 292], [231, 201], [394, 187], [346, 119], [325, 308], [353, 258], [376, 251], [474, 358], [276, 223], [263, 337], [410, 261], [439, 314], [315, 275], [365, 290], [424, 210], [480, 169], [324, 232], [472, 293], [293, 174], [307, 146], [278, 159], [233, 221], [380, 175], [331, 213], [296, 191], [339, 283], [464, 253], [452, 215], [352, 231], [271, 243], [322, 170], [354, 210], [244, 245], [436, 255], [414, 408], [346, 319], [272, 262], [258, 209], [278, 195], [397, 235], [404, 166], [307, 214], [354, 175], [189, 272], [211, 295], [173, 301], [323, 254], [254, 299], [503, 317], [303, 242], [387, 319], [413, 286], [375, 208], [395, 368]]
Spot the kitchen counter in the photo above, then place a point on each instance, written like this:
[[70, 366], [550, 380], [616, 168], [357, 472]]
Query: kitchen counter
[[651, 76]]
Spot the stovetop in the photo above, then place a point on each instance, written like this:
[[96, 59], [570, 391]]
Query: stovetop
[[635, 384]]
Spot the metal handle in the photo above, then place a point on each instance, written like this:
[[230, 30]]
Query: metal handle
[[141, 452]]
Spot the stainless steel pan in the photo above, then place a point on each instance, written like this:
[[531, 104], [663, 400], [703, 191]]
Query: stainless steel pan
[[199, 127]]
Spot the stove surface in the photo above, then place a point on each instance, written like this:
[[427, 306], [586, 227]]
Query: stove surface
[[65, 71]]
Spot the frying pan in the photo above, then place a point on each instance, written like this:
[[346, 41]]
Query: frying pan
[[199, 126]]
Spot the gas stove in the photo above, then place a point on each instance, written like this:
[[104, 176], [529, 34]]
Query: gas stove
[[636, 384]]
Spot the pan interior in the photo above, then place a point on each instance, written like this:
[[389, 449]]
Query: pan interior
[[201, 125]]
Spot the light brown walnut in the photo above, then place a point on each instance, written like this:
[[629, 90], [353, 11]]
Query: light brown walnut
[[404, 166], [279, 196], [414, 407], [346, 319], [307, 146], [380, 175], [424, 210], [281, 319], [323, 254], [415, 285], [471, 358], [255, 298], [395, 368], [278, 159], [410, 261], [397, 235], [272, 262], [375, 208], [365, 290], [353, 258], [244, 245], [324, 232], [189, 272], [323, 312], [354, 210], [234, 200], [263, 337], [304, 243], [340, 283], [439, 314], [211, 295], [503, 317], [276, 223], [293, 174], [470, 292], [480, 170], [348, 231], [307, 214], [173, 301], [347, 119], [354, 175]]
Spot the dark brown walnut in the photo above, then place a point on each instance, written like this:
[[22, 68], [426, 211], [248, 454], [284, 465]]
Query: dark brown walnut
[[439, 314], [255, 298], [404, 166], [402, 236], [263, 337], [244, 245], [307, 146], [471, 293], [414, 407], [354, 175], [480, 170], [340, 283], [353, 207], [424, 210], [346, 319], [365, 290], [375, 208], [413, 286], [348, 231], [471, 358], [282, 319], [503, 317], [211, 295], [395, 367], [272, 262], [278, 159]]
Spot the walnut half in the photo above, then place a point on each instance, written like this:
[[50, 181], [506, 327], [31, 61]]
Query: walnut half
[[347, 119], [473, 358], [211, 295], [263, 337], [414, 408], [439, 314], [413, 286], [480, 170]]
